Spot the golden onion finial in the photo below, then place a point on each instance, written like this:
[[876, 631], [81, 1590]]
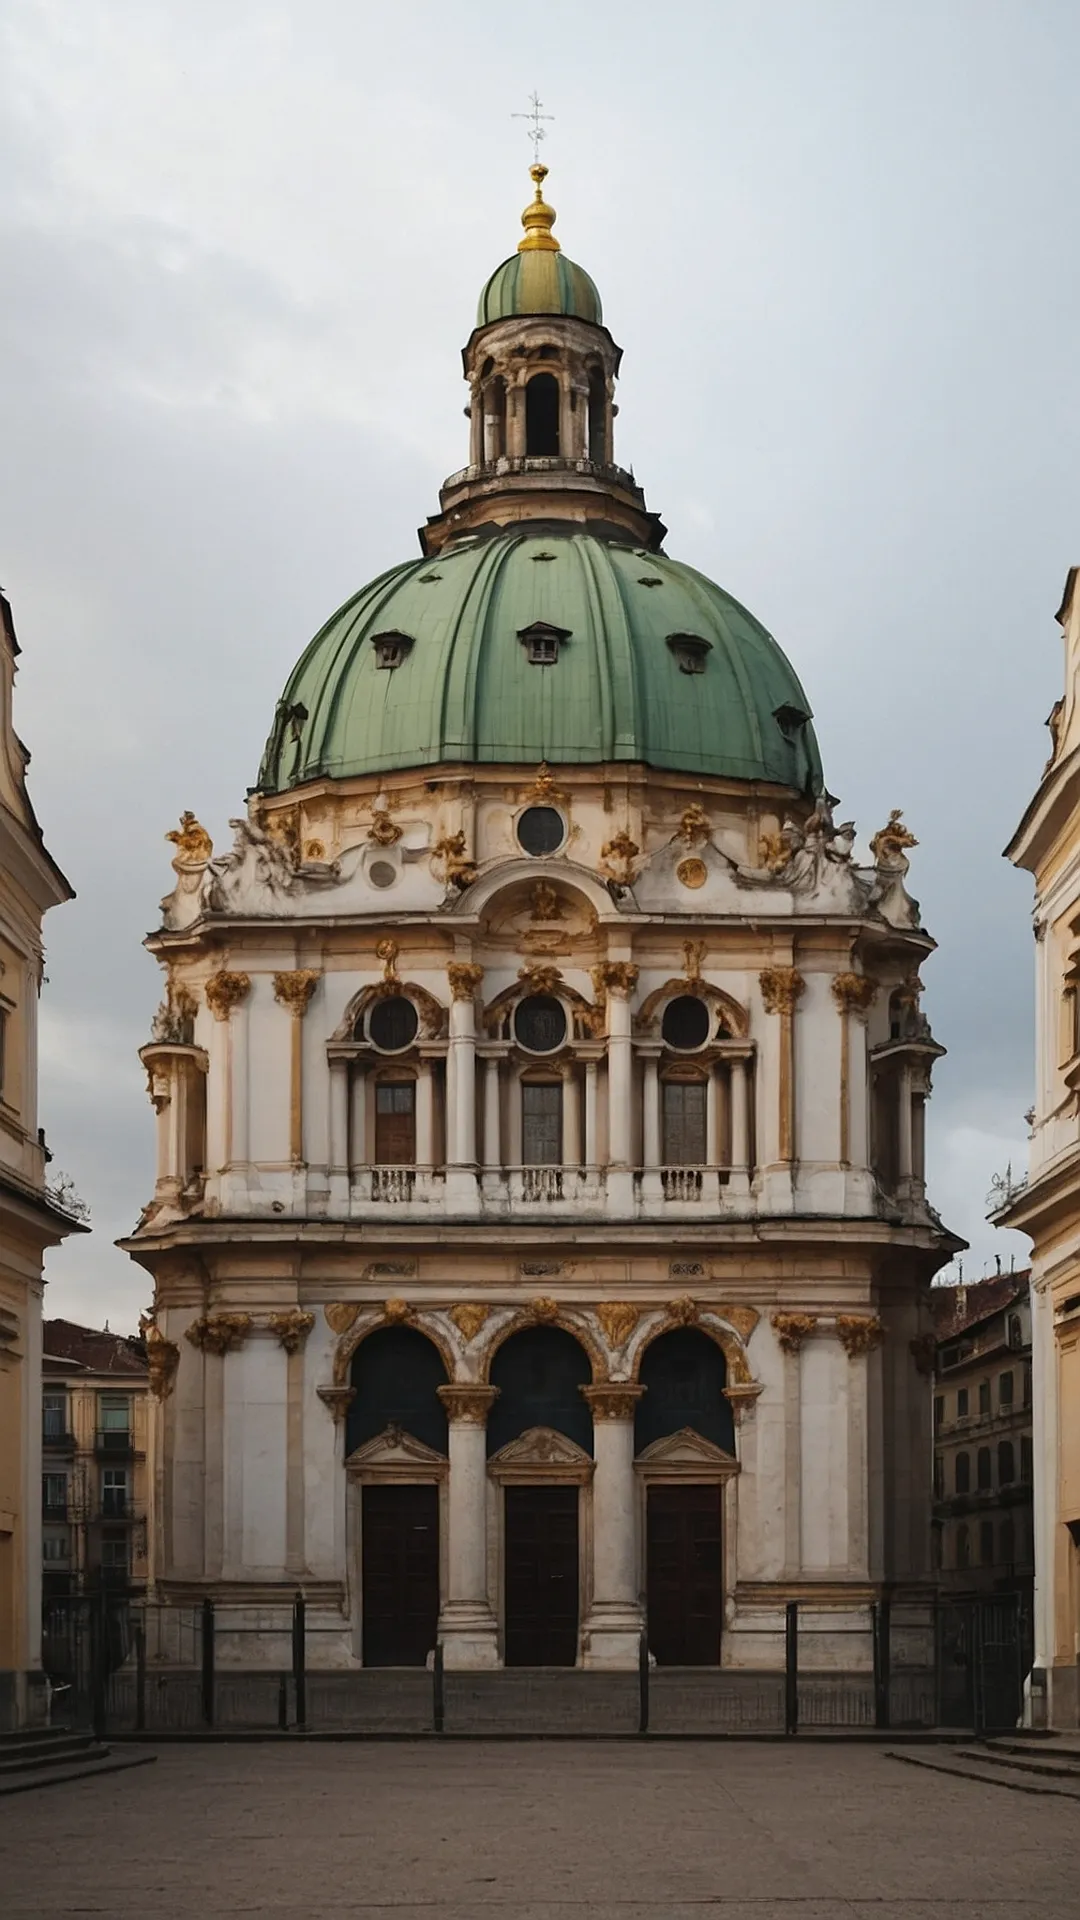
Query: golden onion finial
[[538, 218]]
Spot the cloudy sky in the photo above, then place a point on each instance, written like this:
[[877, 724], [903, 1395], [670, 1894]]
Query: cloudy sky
[[242, 245]]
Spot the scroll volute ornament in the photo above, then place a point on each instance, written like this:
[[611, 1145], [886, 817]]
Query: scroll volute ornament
[[694, 826], [294, 990], [859, 1333], [684, 1310], [292, 1328], [224, 991], [540, 979], [387, 951], [854, 992], [792, 1329], [192, 842], [619, 855], [781, 988], [162, 1358], [619, 978], [464, 977]]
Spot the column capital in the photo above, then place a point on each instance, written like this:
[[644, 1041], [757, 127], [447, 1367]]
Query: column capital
[[613, 1399], [467, 1403], [294, 990], [224, 991], [854, 992], [464, 977], [338, 1399], [781, 987]]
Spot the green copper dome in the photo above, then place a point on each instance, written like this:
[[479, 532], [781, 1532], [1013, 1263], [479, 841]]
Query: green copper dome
[[652, 663], [539, 283]]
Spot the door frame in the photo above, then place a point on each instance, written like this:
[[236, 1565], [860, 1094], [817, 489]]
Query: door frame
[[393, 1458], [540, 1457], [685, 1458]]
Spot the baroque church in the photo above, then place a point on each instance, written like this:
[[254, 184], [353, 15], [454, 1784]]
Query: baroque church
[[540, 1240]]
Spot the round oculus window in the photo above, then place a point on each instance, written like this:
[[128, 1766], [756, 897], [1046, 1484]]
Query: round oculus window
[[540, 830], [540, 1024], [392, 1024], [686, 1023], [382, 873]]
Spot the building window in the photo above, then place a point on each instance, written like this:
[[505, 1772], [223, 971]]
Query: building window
[[1008, 1544], [939, 1409], [395, 1123], [962, 1403], [690, 651], [983, 1473], [542, 642], [962, 1472], [939, 1477], [392, 1024], [541, 1123], [540, 1023], [114, 1421], [1027, 1386], [1016, 1332], [963, 1546], [540, 830], [986, 1543], [1005, 1390], [686, 1023], [984, 1396], [53, 1417], [114, 1492], [542, 415], [1025, 1459], [391, 649], [684, 1123], [54, 1490], [56, 1548], [1006, 1463], [115, 1558]]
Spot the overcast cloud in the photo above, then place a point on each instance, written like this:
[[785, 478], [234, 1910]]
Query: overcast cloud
[[242, 245]]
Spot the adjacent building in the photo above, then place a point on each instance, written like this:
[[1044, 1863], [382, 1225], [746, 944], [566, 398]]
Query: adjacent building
[[1047, 843], [94, 1471], [31, 1218], [540, 1240], [983, 1543]]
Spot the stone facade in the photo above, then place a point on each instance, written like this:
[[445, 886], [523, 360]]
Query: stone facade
[[983, 1438], [500, 1054]]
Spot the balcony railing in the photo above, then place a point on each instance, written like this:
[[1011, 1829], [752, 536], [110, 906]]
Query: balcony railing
[[683, 1183], [57, 1439], [114, 1440], [55, 1511]]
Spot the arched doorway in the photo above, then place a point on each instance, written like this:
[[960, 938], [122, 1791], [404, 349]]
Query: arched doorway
[[539, 1373], [685, 1442], [396, 1446]]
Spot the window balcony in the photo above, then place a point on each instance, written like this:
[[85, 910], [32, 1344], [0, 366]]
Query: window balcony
[[57, 1439], [54, 1511], [115, 1442]]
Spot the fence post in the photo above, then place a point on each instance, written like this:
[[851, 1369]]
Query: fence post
[[299, 1658], [978, 1670], [140, 1673], [643, 1682], [98, 1665], [791, 1667], [438, 1691], [208, 1662], [882, 1617]]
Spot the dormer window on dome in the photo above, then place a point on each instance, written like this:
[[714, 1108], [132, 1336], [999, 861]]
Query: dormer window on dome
[[789, 720], [690, 650], [391, 649], [541, 642]]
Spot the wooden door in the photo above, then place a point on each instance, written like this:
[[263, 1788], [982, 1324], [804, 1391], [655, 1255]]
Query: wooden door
[[400, 1574], [541, 1560], [684, 1575], [395, 1123]]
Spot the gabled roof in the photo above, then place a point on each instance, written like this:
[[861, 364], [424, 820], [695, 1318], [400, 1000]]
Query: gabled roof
[[92, 1350]]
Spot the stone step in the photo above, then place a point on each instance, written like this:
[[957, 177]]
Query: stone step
[[1025, 1760], [48, 1750], [86, 1769], [983, 1771]]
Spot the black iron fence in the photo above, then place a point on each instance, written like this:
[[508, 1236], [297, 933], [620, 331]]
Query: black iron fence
[[124, 1666]]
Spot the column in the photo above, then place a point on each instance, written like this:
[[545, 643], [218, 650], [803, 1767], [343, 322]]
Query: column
[[592, 1149], [571, 1118], [854, 994], [226, 1114], [903, 1133], [713, 1139], [651, 1117], [464, 978], [425, 1115], [293, 991], [358, 1152], [613, 1623], [339, 1134], [492, 1142], [620, 979], [467, 1629], [740, 1124]]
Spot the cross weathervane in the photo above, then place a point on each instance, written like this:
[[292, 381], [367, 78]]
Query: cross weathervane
[[536, 131]]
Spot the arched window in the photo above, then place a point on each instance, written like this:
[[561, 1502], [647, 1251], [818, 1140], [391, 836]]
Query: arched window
[[684, 1374], [542, 415], [395, 1373], [597, 416], [1008, 1544], [986, 1543], [1006, 1463], [963, 1473], [983, 1473], [963, 1546], [539, 1373]]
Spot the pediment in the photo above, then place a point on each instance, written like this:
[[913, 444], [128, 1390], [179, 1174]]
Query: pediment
[[687, 1449], [541, 1449], [396, 1449]]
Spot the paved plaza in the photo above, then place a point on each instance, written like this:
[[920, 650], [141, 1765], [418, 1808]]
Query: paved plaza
[[537, 1831]]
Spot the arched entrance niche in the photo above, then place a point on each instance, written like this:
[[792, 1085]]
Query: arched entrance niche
[[542, 415], [540, 1445], [684, 1436], [396, 1460]]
